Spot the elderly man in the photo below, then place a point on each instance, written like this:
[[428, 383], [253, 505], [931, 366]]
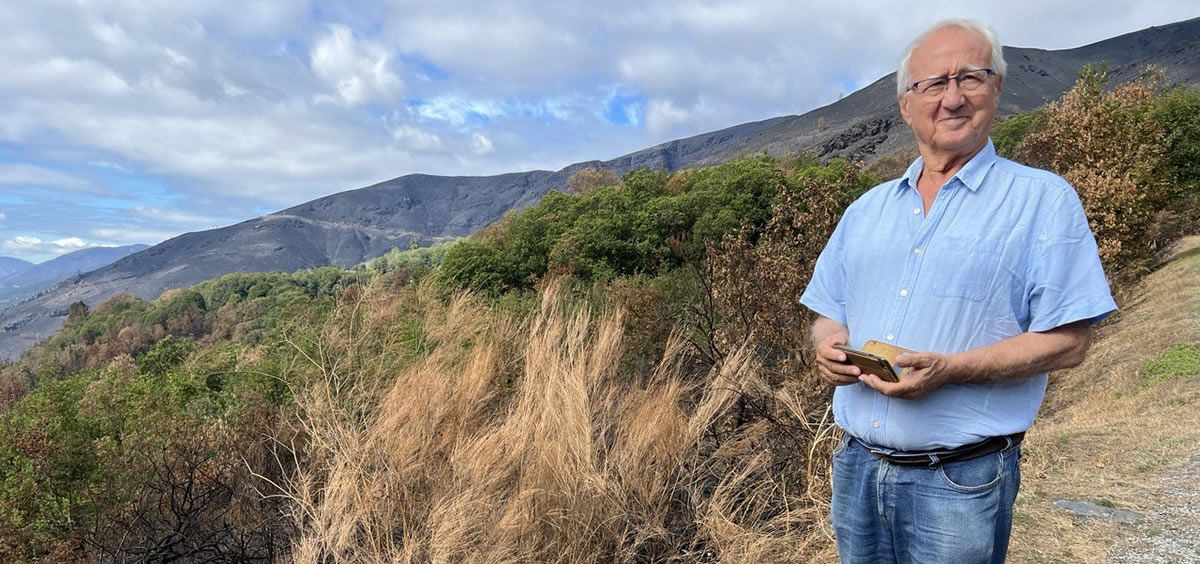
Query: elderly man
[[986, 267]]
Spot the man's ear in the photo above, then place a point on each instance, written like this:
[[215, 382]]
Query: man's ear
[[903, 101]]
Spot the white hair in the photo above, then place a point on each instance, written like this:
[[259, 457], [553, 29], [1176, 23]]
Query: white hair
[[904, 76]]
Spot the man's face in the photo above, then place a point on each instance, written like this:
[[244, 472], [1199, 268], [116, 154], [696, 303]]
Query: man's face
[[955, 122]]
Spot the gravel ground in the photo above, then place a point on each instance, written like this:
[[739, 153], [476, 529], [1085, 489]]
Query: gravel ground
[[1172, 533]]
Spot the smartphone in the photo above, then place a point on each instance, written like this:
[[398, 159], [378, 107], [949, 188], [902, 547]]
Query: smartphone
[[870, 363]]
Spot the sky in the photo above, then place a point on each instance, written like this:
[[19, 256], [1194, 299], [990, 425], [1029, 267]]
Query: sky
[[135, 121]]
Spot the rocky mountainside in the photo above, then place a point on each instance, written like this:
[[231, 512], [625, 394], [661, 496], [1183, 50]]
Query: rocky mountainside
[[10, 265], [349, 227], [34, 278]]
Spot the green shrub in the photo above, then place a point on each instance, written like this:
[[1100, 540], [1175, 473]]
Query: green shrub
[[165, 356], [649, 223], [1009, 133]]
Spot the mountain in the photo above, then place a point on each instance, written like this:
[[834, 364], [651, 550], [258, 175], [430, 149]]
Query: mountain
[[10, 265], [35, 278], [349, 227]]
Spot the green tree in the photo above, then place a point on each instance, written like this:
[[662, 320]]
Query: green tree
[[165, 356]]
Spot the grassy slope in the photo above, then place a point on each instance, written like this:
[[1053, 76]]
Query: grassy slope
[[1111, 427]]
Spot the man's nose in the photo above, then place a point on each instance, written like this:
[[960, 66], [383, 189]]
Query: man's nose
[[953, 97]]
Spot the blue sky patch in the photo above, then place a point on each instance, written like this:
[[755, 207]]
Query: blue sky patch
[[424, 68], [625, 109]]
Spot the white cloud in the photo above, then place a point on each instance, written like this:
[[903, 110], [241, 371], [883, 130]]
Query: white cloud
[[69, 244], [278, 154], [22, 175], [3, 217], [357, 71], [112, 35], [663, 115], [22, 243], [480, 144], [178, 217], [28, 245], [416, 139], [110, 165], [457, 110], [512, 48], [461, 112], [134, 235], [91, 77]]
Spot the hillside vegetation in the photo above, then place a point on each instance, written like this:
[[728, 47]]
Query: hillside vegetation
[[621, 371], [1111, 427]]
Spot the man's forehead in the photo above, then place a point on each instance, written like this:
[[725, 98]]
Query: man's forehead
[[950, 49]]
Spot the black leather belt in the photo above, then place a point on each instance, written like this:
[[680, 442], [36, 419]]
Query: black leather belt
[[933, 458]]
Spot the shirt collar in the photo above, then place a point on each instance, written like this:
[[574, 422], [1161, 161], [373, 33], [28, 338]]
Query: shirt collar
[[971, 174]]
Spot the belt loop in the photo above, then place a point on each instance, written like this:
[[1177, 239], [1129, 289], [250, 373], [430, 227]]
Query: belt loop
[[1008, 442], [933, 460]]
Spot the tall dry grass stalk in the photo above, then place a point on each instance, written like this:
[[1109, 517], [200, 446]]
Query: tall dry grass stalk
[[518, 442]]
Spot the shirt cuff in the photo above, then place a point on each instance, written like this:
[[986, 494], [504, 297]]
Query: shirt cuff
[[1094, 312], [829, 309]]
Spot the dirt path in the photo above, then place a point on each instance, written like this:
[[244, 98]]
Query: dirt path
[[1172, 533]]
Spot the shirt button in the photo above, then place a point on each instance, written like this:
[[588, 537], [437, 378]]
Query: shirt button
[[903, 292], [875, 424], [917, 251], [916, 211], [891, 337]]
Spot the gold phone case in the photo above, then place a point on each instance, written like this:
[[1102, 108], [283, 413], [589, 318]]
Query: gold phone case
[[877, 358], [888, 352]]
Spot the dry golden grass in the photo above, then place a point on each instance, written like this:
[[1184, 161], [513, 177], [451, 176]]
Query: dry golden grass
[[1106, 431], [517, 442], [507, 440]]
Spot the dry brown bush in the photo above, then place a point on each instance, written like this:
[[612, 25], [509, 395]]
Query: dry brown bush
[[758, 275], [587, 179], [193, 500], [1110, 147], [517, 441], [14, 384]]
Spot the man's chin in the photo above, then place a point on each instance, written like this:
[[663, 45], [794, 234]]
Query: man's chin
[[955, 141]]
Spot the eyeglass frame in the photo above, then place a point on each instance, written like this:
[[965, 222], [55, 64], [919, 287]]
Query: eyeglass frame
[[956, 78]]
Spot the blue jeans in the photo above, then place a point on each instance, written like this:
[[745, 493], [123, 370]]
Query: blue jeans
[[959, 512]]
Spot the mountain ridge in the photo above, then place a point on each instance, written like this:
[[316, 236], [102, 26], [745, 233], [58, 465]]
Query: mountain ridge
[[31, 280], [12, 265]]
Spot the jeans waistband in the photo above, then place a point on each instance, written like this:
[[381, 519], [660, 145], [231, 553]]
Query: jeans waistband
[[933, 458]]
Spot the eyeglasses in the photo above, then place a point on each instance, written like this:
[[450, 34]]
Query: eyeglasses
[[968, 81]]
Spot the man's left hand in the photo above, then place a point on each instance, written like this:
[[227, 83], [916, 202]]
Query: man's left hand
[[929, 371]]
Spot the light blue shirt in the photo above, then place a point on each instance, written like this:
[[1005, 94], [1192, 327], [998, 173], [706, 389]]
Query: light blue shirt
[[1005, 249]]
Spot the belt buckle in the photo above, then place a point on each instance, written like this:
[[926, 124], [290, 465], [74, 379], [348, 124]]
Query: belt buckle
[[905, 458]]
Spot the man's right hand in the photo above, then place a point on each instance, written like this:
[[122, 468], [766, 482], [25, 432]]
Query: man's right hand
[[831, 363]]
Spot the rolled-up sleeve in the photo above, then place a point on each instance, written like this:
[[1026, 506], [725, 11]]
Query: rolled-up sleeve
[[1065, 281], [826, 291]]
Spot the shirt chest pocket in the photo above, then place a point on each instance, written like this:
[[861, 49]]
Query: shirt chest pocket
[[962, 267]]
